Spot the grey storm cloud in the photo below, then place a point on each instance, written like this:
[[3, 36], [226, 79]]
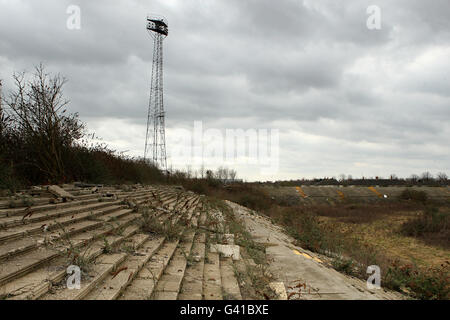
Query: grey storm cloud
[[346, 99]]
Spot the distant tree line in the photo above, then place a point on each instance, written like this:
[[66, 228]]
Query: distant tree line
[[222, 173], [426, 179]]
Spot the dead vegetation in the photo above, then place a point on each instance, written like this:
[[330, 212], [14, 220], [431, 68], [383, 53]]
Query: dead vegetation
[[349, 233], [41, 142], [153, 224], [432, 225], [78, 255], [252, 272]]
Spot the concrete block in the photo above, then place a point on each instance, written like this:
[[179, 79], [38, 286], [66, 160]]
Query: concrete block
[[227, 250], [279, 289], [59, 192]]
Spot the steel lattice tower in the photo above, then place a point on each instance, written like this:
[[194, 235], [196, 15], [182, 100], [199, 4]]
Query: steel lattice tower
[[155, 140]]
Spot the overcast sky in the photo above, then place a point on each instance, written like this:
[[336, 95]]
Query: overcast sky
[[344, 98]]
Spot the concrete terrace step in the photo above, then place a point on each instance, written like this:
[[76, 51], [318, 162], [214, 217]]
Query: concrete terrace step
[[230, 285], [52, 222], [104, 264], [46, 215], [192, 284], [79, 214], [59, 206], [25, 258], [169, 284], [186, 216], [120, 260], [114, 284], [15, 247], [19, 203], [24, 263], [37, 228], [212, 280], [144, 283], [170, 204], [35, 209], [37, 283]]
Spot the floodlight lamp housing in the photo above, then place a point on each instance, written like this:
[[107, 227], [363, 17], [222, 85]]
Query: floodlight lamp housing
[[157, 24]]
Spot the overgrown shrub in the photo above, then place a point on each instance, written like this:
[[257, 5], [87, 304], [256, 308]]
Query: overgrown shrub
[[38, 134], [430, 220], [414, 195], [41, 142], [430, 284], [199, 186], [251, 197], [344, 265], [432, 226]]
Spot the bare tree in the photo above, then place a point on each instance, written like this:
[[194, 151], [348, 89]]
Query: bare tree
[[232, 174], [39, 124], [427, 176], [222, 173], [414, 177], [442, 177], [188, 171]]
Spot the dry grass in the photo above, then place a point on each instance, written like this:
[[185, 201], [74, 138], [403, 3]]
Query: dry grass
[[408, 264], [356, 235], [384, 235], [432, 226]]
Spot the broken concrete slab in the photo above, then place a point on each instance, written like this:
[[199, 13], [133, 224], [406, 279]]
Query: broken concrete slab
[[59, 192], [227, 250]]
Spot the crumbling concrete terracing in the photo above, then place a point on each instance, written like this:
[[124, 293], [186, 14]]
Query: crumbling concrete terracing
[[146, 242], [157, 242], [303, 273]]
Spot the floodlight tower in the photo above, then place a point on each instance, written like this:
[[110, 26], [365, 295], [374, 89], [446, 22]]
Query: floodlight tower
[[155, 140]]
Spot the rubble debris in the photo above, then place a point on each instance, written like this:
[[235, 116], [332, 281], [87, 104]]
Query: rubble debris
[[227, 250], [228, 238], [279, 289]]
